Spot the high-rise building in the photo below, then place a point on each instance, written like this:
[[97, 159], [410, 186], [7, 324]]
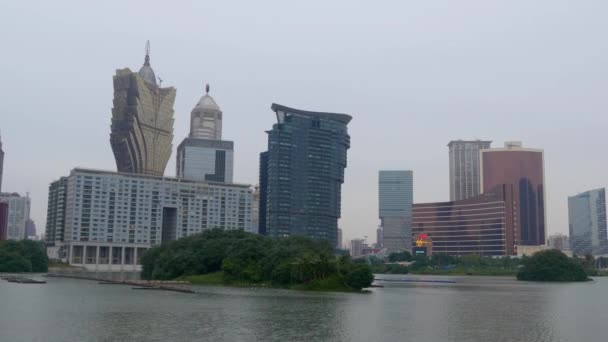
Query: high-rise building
[[485, 224], [356, 247], [587, 223], [18, 214], [30, 229], [302, 172], [255, 211], [55, 214], [263, 213], [523, 168], [464, 168], [340, 237], [1, 163], [142, 121], [395, 197], [112, 218], [3, 220], [379, 234], [203, 155]]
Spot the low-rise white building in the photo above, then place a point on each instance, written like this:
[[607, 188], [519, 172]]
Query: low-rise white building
[[112, 218]]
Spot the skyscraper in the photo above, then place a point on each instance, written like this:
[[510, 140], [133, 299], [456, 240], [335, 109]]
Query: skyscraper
[[203, 155], [18, 214], [142, 121], [587, 223], [523, 168], [395, 197], [1, 163], [55, 215], [464, 168], [302, 172]]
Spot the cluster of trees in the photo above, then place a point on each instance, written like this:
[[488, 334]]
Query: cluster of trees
[[553, 265], [438, 261], [243, 257], [23, 256]]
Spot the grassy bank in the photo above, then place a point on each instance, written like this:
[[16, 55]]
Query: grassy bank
[[474, 271], [331, 284]]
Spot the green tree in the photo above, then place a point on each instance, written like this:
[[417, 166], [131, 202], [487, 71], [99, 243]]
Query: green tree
[[551, 265], [360, 277], [13, 262]]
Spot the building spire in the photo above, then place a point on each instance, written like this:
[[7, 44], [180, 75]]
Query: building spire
[[207, 88], [147, 61]]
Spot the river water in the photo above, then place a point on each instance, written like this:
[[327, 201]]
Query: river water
[[462, 309]]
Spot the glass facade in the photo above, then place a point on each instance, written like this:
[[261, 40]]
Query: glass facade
[[395, 198], [587, 223], [464, 168], [483, 224], [205, 160], [302, 172], [524, 170]]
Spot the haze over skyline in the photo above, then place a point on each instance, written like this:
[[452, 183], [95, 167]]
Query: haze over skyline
[[414, 75]]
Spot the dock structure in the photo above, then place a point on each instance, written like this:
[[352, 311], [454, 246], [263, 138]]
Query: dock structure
[[167, 285]]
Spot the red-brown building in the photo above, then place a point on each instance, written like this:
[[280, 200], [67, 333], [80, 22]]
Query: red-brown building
[[484, 224], [523, 168], [3, 220]]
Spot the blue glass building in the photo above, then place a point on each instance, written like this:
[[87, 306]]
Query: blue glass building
[[587, 223], [302, 172]]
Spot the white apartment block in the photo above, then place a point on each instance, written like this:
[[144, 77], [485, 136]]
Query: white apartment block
[[112, 218]]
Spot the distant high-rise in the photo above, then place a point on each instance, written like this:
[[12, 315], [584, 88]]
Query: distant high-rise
[[18, 214], [587, 223], [203, 155], [302, 172], [3, 220], [142, 121], [395, 195], [55, 215], [523, 168], [30, 228], [464, 168], [1, 163]]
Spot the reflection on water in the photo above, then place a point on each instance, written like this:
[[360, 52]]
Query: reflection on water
[[471, 309]]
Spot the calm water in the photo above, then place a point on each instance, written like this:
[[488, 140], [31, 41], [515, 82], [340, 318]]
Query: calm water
[[472, 309]]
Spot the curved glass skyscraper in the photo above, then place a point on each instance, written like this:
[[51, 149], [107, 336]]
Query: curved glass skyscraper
[[302, 172]]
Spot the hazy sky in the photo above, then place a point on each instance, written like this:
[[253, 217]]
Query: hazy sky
[[413, 74]]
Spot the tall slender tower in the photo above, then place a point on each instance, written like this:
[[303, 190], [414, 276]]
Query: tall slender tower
[[464, 168], [142, 121]]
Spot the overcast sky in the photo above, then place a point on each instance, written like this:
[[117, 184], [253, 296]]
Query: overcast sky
[[413, 74]]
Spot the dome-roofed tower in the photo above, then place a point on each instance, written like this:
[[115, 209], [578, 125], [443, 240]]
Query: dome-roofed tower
[[206, 118], [146, 71]]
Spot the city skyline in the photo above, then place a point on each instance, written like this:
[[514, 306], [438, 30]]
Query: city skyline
[[511, 105]]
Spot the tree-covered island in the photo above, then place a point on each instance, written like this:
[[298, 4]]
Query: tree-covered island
[[240, 258]]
